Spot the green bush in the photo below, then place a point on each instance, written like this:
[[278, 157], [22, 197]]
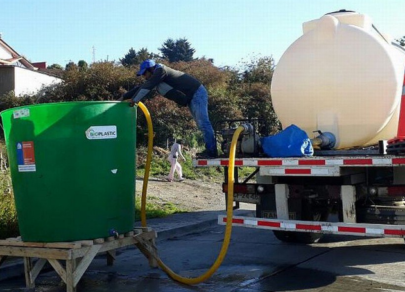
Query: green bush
[[8, 213]]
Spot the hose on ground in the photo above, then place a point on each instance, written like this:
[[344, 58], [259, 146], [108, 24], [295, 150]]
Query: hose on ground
[[229, 207]]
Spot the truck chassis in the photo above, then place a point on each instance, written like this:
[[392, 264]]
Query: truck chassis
[[301, 199]]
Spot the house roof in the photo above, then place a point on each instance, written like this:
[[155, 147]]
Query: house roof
[[15, 57]]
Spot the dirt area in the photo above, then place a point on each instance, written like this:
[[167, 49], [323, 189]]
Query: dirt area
[[189, 195]]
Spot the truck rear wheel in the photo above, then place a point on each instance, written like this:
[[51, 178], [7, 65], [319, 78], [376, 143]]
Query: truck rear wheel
[[297, 237], [301, 237], [308, 213], [301, 207]]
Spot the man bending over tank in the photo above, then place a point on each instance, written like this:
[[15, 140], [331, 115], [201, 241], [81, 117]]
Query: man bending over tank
[[183, 89]]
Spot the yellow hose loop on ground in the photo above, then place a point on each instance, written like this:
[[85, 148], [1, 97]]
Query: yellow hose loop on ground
[[228, 228], [229, 207], [148, 162]]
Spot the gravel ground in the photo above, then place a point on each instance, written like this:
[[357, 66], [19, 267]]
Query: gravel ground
[[189, 195]]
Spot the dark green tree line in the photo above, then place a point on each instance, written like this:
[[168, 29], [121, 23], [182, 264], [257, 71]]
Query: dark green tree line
[[178, 50], [133, 58]]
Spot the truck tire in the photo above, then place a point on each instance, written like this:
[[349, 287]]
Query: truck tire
[[297, 237], [308, 213], [300, 209]]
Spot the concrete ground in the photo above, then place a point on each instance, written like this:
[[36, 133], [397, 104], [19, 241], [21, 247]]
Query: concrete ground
[[168, 227]]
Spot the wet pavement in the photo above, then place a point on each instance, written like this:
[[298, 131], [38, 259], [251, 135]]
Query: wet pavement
[[256, 261]]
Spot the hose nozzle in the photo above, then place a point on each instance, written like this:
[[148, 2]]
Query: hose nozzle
[[247, 129], [325, 140]]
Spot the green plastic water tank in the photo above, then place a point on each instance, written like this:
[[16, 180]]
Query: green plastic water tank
[[73, 169]]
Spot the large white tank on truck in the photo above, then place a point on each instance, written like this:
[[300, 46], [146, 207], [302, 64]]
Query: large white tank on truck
[[341, 76]]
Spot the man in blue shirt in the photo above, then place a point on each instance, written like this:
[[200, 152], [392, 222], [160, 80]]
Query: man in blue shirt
[[183, 89]]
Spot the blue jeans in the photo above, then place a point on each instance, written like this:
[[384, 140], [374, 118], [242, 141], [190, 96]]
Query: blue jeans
[[199, 110]]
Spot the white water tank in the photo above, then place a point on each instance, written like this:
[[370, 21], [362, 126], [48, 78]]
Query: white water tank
[[341, 76]]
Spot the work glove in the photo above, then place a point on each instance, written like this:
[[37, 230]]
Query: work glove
[[130, 102]]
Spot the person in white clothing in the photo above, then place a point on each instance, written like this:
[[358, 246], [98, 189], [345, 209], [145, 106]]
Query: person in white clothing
[[174, 154]]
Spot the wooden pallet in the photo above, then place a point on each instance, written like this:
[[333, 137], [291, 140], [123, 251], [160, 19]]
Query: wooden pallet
[[71, 259]]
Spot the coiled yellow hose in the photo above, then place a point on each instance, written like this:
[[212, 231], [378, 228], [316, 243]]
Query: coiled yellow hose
[[229, 207]]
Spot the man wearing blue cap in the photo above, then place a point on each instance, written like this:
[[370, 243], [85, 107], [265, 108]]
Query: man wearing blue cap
[[183, 89]]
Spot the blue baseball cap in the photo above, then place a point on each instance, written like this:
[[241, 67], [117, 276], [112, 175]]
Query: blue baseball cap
[[145, 65]]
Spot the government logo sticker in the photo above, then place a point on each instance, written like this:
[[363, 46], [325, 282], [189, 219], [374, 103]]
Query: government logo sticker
[[26, 156]]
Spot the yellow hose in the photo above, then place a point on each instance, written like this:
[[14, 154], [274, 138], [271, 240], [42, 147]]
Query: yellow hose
[[148, 162], [229, 207]]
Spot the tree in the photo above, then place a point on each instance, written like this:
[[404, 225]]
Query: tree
[[55, 66], [82, 65], [179, 50], [133, 58], [129, 59], [71, 66], [258, 69], [55, 70], [250, 83]]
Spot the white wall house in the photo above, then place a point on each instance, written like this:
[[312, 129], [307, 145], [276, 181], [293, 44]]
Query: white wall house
[[19, 75]]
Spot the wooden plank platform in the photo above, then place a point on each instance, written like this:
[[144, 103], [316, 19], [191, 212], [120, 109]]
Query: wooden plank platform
[[71, 259], [18, 242]]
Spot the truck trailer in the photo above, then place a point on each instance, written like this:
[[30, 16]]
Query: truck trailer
[[344, 81]]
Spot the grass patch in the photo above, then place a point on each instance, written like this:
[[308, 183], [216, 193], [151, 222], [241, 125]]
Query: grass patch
[[155, 208]]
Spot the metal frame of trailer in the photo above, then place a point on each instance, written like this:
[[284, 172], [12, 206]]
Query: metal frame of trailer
[[316, 166]]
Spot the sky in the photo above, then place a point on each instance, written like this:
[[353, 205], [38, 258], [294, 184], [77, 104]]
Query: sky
[[228, 31]]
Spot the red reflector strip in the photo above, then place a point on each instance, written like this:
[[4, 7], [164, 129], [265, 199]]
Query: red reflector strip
[[226, 162], [241, 189], [269, 224], [308, 227], [358, 161], [298, 171], [398, 161], [202, 162], [323, 227], [396, 191], [235, 221], [238, 221], [351, 229], [269, 162], [312, 162], [394, 232]]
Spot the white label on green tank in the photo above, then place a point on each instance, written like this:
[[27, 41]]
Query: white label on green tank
[[101, 132], [21, 113]]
